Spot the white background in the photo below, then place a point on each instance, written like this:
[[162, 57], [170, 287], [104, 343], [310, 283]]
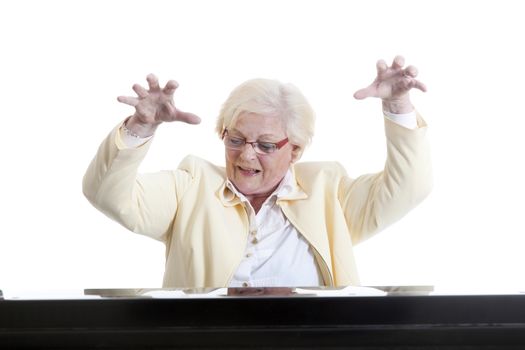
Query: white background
[[63, 63]]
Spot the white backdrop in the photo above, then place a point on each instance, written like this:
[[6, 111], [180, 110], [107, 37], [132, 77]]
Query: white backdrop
[[63, 63]]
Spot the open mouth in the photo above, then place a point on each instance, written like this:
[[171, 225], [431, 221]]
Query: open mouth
[[248, 171]]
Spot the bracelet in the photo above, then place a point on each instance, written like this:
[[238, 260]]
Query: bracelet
[[130, 133]]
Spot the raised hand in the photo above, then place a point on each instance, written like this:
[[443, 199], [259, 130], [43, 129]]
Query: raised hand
[[392, 85], [154, 106]]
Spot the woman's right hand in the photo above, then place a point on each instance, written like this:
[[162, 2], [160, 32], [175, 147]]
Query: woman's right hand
[[154, 106]]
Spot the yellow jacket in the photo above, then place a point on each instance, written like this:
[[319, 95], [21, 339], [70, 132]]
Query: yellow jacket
[[205, 227]]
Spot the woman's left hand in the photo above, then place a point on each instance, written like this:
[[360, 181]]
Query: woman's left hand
[[392, 86]]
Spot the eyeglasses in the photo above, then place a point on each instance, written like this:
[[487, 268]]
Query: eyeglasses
[[237, 143]]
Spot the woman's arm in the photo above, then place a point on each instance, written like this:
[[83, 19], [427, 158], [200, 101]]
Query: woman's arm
[[372, 202], [143, 203]]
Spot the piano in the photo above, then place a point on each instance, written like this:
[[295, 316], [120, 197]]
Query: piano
[[263, 318]]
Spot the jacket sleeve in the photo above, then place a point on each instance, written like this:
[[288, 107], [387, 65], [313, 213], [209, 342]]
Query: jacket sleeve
[[372, 202], [144, 203]]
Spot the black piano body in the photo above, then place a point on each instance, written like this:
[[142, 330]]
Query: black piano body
[[267, 322]]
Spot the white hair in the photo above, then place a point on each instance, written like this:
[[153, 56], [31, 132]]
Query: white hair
[[271, 98]]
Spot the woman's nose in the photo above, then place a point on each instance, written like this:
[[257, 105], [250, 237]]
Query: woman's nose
[[248, 151]]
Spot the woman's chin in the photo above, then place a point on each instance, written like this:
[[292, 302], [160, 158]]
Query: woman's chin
[[247, 190]]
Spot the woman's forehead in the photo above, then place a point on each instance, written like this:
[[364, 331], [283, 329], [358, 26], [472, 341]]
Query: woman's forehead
[[262, 125]]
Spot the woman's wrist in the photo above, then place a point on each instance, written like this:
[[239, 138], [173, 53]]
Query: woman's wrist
[[398, 106], [134, 127]]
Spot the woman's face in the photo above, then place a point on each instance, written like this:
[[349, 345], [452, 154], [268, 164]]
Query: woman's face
[[255, 174]]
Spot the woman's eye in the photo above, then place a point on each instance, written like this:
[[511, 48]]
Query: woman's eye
[[266, 147], [236, 141]]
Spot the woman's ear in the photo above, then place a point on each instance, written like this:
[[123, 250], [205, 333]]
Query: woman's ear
[[296, 153]]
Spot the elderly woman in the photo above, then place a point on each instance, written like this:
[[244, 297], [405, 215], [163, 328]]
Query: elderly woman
[[264, 219]]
